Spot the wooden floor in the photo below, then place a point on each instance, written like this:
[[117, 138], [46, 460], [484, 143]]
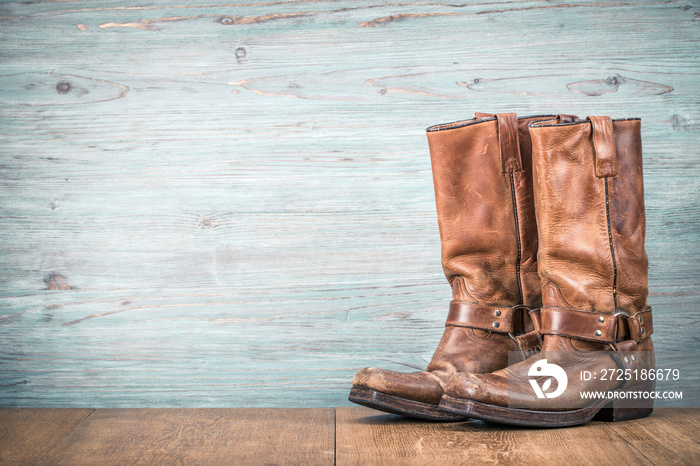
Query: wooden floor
[[329, 436]]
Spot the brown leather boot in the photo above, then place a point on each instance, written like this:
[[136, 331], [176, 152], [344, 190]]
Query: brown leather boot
[[595, 320], [483, 189]]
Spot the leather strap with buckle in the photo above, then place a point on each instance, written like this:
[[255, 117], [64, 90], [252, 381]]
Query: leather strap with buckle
[[492, 318], [596, 326]]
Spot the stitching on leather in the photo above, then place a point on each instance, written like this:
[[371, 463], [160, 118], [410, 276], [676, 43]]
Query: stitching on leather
[[545, 309], [482, 338], [610, 240], [581, 337], [558, 290], [457, 124], [517, 236], [645, 311], [501, 157], [456, 323], [464, 288], [613, 163], [594, 133], [602, 340], [492, 306], [570, 344], [541, 125]]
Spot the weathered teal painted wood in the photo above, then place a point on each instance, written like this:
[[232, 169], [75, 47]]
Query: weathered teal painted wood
[[231, 205]]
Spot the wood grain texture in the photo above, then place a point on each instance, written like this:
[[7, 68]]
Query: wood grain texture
[[365, 436], [227, 205], [669, 436], [327, 436], [27, 434], [199, 436]]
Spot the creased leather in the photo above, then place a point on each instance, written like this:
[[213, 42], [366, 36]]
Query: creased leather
[[512, 384], [576, 265], [476, 217], [484, 250], [589, 203]]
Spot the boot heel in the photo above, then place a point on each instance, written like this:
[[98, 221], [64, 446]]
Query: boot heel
[[628, 408]]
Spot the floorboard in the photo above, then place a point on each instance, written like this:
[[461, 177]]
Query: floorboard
[[668, 436], [365, 436], [26, 434], [344, 436], [199, 436]]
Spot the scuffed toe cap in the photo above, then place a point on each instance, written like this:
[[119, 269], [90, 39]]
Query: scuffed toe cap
[[418, 386], [463, 385], [364, 377], [484, 388]]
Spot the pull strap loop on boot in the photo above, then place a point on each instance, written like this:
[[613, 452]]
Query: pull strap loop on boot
[[508, 144], [566, 118], [603, 146]]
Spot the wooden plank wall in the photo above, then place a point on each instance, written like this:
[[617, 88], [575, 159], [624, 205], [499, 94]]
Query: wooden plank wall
[[231, 204]]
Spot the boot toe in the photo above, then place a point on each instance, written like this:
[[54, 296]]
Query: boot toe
[[484, 388], [417, 386], [366, 378]]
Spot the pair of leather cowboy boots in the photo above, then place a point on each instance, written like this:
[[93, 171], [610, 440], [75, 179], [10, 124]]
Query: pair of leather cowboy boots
[[542, 228]]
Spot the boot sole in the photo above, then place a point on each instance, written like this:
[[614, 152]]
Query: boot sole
[[603, 410], [402, 406]]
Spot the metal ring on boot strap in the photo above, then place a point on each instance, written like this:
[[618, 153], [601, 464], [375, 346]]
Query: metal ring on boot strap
[[481, 316], [596, 326]]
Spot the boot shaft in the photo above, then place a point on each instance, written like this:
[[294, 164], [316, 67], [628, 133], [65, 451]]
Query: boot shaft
[[589, 200], [482, 174]]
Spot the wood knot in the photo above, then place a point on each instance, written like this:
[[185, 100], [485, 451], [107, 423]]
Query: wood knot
[[55, 281], [63, 87], [240, 54]]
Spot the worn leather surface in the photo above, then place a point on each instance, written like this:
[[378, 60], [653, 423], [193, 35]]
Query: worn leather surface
[[596, 326], [575, 261], [494, 319], [511, 386], [589, 203], [482, 176]]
